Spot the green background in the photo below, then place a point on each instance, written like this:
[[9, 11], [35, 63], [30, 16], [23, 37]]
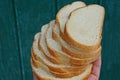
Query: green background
[[21, 19]]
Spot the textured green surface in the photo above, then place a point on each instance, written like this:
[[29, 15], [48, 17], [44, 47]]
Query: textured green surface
[[21, 19], [10, 64]]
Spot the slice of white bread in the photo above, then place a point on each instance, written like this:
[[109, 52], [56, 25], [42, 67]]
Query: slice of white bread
[[43, 74], [39, 55], [42, 46], [51, 57], [68, 74], [63, 14], [84, 27], [68, 49], [59, 54]]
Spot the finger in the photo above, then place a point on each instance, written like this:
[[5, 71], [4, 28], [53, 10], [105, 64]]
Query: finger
[[34, 77], [92, 77], [96, 67], [96, 70]]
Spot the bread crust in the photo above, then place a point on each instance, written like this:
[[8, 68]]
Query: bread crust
[[55, 73], [56, 57], [58, 75], [57, 21], [79, 45], [75, 62], [62, 69], [80, 55], [73, 53]]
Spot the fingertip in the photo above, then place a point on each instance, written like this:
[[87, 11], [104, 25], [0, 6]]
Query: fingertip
[[92, 77], [34, 77]]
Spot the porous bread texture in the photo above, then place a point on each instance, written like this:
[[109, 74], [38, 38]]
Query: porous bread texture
[[40, 64], [39, 55], [68, 49], [83, 29], [63, 14], [55, 49], [44, 75]]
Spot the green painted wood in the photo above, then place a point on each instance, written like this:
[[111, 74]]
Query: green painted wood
[[111, 41], [10, 67], [31, 15]]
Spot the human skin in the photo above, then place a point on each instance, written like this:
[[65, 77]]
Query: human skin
[[95, 70]]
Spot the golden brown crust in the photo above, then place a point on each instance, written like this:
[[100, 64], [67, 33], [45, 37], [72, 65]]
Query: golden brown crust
[[49, 57], [39, 77], [35, 73], [59, 75], [60, 69], [58, 14], [54, 36], [80, 54], [85, 61], [67, 74], [78, 60], [73, 61], [79, 45], [74, 53]]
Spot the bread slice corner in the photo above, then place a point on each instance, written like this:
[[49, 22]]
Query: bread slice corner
[[84, 27], [63, 14]]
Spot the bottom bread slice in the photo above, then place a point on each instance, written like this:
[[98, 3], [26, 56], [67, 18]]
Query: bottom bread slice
[[69, 74], [44, 75]]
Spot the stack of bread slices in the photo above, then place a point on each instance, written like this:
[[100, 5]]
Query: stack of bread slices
[[66, 47]]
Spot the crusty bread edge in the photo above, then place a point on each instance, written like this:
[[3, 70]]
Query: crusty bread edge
[[79, 45], [75, 54], [57, 19], [60, 69], [58, 74], [45, 78]]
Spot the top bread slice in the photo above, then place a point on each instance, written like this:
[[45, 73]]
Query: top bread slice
[[63, 14], [84, 27], [68, 49]]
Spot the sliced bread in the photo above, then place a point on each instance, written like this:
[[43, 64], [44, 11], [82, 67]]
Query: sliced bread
[[59, 54], [42, 45], [83, 29], [68, 74], [42, 74], [39, 55], [68, 49], [63, 14]]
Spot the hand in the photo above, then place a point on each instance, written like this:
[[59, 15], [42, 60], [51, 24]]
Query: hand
[[96, 70], [34, 77]]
